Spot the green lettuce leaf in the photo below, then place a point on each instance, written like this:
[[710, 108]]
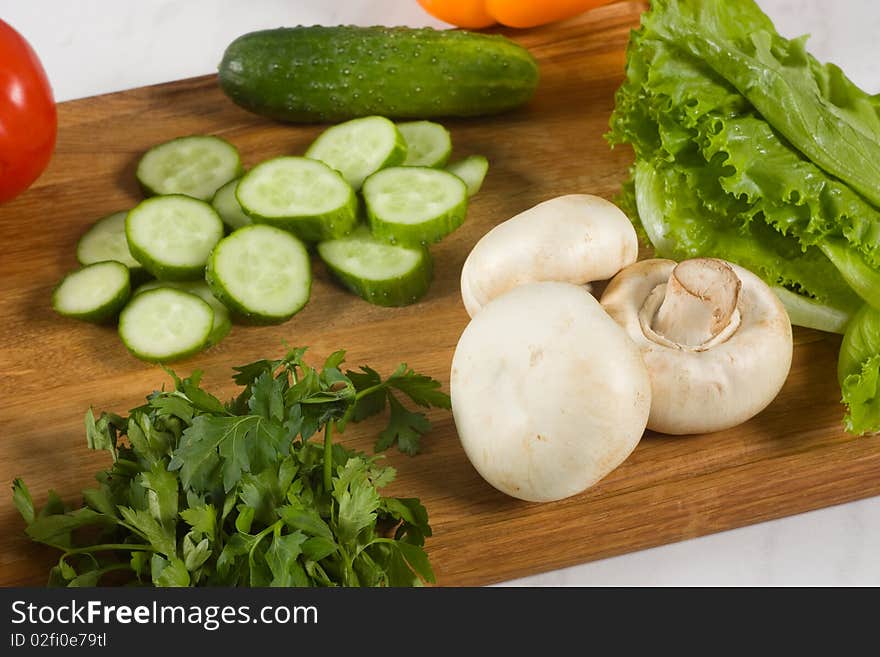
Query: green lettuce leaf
[[858, 371], [687, 114], [816, 108]]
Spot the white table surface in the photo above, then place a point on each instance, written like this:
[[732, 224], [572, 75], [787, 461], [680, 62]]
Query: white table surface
[[96, 46]]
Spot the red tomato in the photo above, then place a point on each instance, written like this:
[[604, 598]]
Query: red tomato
[[28, 120]]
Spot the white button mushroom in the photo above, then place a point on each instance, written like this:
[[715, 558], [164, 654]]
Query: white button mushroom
[[576, 238], [549, 395], [715, 338]]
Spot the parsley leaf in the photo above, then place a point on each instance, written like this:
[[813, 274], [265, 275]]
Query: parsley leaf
[[21, 497], [423, 390], [232, 444], [267, 397], [204, 493], [282, 558], [371, 403], [203, 519], [358, 500], [404, 428]]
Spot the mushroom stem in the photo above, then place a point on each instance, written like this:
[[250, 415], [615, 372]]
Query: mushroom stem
[[700, 300]]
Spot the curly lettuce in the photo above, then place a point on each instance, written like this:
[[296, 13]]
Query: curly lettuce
[[858, 371]]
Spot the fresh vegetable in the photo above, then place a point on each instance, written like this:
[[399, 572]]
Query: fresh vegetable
[[576, 238], [414, 206], [94, 293], [858, 370], [715, 339], [360, 147], [816, 108], [222, 323], [549, 394], [28, 119], [472, 170], [197, 166], [528, 13], [301, 195], [750, 150], [165, 324], [203, 493], [172, 236], [513, 13], [381, 273], [105, 240], [428, 144], [470, 14], [262, 273], [318, 74], [227, 206]]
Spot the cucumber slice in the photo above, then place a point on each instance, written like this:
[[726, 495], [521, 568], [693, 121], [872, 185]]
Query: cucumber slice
[[414, 205], [377, 272], [359, 147], [226, 205], [428, 144], [301, 195], [105, 240], [196, 166], [94, 293], [165, 324], [222, 323], [261, 272], [172, 236], [472, 170]]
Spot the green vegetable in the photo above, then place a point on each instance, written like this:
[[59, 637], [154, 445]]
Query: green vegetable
[[472, 170], [301, 195], [166, 324], [226, 205], [381, 273], [360, 147], [858, 371], [815, 107], [428, 144], [414, 206], [105, 240], [317, 74], [93, 293], [204, 493], [261, 273], [197, 165], [222, 323], [173, 236], [749, 149]]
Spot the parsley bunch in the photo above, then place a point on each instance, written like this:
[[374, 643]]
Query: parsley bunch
[[204, 493]]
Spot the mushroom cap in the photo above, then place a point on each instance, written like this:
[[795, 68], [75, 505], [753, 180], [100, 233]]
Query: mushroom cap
[[725, 383], [549, 395], [576, 238]]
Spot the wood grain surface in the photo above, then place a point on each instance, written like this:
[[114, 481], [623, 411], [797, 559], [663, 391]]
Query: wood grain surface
[[791, 458]]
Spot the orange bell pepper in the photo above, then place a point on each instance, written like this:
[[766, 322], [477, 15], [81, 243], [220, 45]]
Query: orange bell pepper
[[469, 14], [475, 14]]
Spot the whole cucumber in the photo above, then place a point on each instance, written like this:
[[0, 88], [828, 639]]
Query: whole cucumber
[[322, 74]]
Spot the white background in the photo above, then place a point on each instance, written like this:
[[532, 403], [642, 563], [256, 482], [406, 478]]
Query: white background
[[90, 47]]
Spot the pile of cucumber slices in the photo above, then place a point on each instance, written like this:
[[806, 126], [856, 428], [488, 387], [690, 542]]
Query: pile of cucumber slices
[[371, 195]]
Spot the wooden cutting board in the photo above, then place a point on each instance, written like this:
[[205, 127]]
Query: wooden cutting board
[[792, 458]]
